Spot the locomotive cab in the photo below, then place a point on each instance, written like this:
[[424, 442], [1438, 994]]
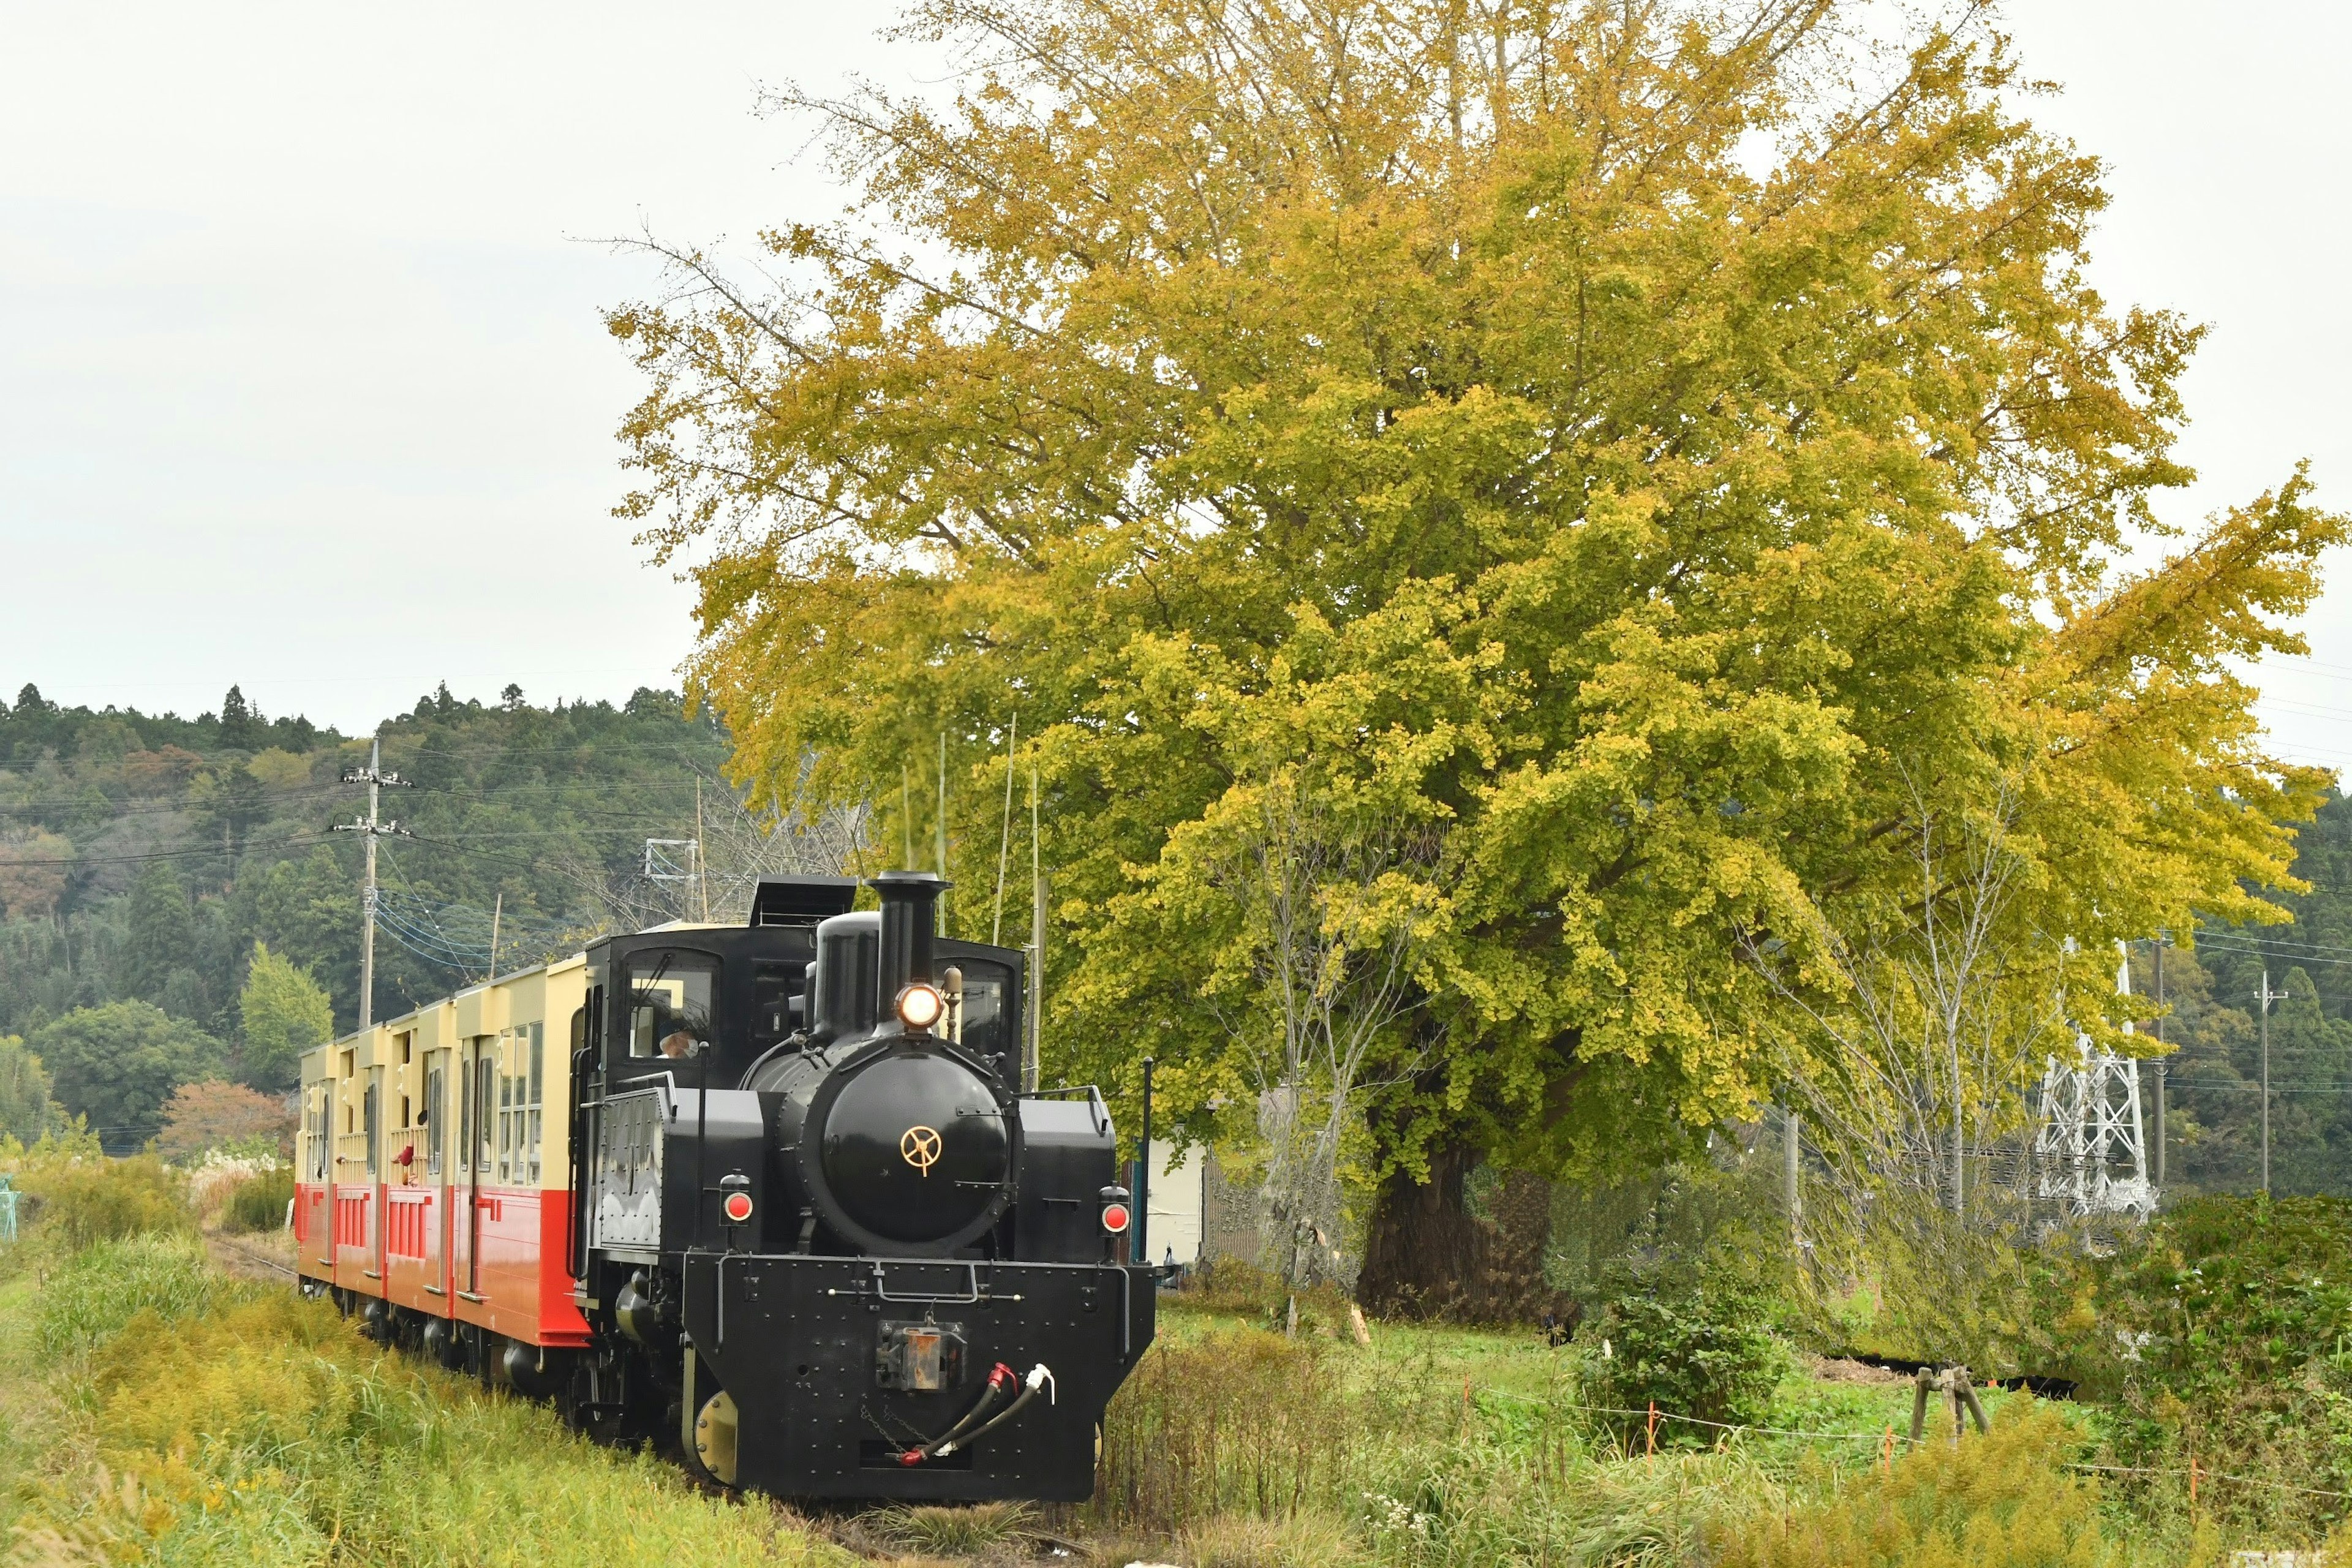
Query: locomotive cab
[[821, 1224]]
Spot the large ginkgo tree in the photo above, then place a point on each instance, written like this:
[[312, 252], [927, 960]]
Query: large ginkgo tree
[[1502, 526]]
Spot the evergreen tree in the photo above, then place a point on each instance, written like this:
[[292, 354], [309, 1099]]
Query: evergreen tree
[[307, 910], [160, 938], [241, 724]]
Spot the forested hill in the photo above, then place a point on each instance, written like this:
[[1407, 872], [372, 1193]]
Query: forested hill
[[143, 857]]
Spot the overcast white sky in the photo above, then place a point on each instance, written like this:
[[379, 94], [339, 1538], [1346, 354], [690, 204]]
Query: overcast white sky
[[298, 317]]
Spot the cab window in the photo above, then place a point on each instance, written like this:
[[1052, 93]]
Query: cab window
[[774, 987], [670, 1005], [985, 1022]]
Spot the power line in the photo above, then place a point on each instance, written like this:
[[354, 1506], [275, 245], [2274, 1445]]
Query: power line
[[182, 802], [139, 807], [2257, 1088], [2261, 952], [166, 854], [2225, 937]]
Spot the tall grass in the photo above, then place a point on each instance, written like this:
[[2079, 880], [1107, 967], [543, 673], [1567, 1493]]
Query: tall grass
[[80, 1199], [225, 1423], [260, 1202], [1240, 1442], [100, 1290], [2002, 1501], [1233, 1447]]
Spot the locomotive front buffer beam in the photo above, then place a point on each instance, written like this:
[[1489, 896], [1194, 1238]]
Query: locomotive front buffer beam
[[829, 1372]]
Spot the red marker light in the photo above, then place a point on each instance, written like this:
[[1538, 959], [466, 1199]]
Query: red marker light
[[738, 1206], [1115, 1218]]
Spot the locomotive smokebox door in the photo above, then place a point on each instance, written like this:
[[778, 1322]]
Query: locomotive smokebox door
[[919, 1358]]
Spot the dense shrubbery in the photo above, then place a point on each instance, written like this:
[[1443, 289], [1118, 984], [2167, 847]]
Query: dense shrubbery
[[2225, 1333], [258, 1202], [1699, 1352], [84, 1198]]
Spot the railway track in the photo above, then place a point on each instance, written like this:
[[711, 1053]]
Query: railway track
[[238, 1259]]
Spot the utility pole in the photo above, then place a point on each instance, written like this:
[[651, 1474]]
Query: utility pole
[[941, 825], [498, 910], [2162, 1045], [370, 829], [1792, 1155], [1033, 1068], [1005, 835], [2267, 997], [1143, 1176], [701, 860]]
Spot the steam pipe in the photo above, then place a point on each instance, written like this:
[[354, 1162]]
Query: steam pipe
[[906, 952], [1143, 1177]]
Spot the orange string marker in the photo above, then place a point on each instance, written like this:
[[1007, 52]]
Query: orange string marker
[[1886, 1450], [1653, 1428], [2192, 1481]]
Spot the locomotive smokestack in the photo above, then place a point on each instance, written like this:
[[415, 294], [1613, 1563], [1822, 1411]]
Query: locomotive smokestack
[[907, 898]]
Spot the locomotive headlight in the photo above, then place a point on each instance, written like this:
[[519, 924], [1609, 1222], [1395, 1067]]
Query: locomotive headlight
[[919, 1006]]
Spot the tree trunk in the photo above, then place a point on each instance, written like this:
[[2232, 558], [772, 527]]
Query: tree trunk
[[1423, 1245], [1428, 1256]]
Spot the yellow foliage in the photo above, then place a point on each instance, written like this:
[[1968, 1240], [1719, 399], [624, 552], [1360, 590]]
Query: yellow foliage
[[2003, 1499], [87, 1197], [279, 769], [1636, 550]]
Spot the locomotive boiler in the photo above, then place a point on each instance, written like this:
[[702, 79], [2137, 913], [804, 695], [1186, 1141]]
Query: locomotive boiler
[[782, 1197]]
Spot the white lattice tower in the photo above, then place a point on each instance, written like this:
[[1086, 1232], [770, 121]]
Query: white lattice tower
[[2090, 1152]]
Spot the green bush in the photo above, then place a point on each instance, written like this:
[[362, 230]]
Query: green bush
[[86, 1200], [2223, 1332], [260, 1202], [1690, 1350]]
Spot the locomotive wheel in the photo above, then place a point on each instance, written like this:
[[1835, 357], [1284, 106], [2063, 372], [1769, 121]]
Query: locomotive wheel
[[714, 1438]]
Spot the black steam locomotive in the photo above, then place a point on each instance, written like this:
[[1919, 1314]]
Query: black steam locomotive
[[817, 1222]]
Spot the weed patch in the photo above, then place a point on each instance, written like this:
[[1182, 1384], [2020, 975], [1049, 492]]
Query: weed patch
[[258, 1202], [84, 1199], [2220, 1338], [2001, 1500], [228, 1423]]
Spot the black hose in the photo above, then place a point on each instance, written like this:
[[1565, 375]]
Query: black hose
[[1002, 1416], [997, 1378]]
